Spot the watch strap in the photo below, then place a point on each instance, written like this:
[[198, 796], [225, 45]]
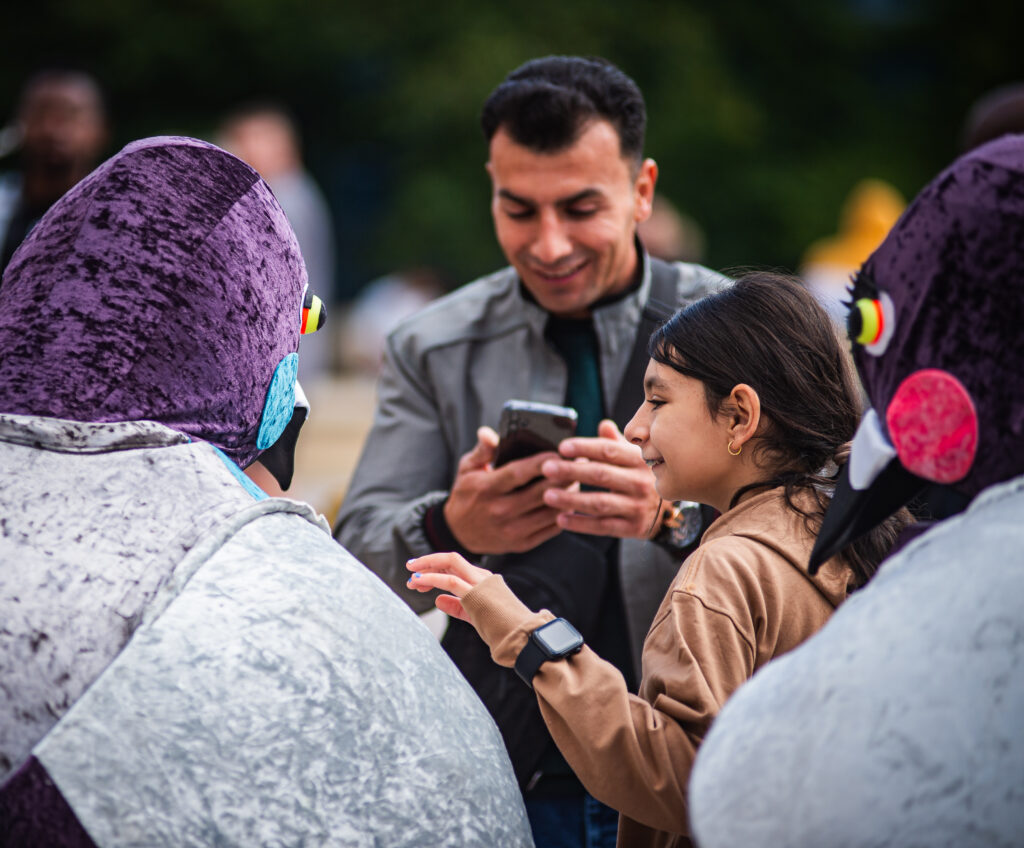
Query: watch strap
[[529, 661]]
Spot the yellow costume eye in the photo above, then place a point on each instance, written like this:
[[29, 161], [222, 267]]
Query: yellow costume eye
[[313, 313], [872, 323], [866, 321]]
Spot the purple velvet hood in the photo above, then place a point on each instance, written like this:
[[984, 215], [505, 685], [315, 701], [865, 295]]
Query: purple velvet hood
[[953, 267], [166, 286], [936, 318]]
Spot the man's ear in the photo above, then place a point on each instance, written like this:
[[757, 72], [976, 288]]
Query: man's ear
[[744, 414], [643, 189]]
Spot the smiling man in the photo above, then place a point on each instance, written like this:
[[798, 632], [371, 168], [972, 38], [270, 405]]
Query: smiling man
[[567, 323]]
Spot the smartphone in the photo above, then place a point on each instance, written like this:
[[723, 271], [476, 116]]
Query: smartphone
[[527, 428]]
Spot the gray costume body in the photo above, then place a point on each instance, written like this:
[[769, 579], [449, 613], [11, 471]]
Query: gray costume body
[[196, 666], [446, 372], [900, 724]]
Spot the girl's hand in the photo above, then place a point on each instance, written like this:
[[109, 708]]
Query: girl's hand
[[449, 573]]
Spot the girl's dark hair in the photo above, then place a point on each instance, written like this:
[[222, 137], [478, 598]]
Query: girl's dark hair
[[769, 332]]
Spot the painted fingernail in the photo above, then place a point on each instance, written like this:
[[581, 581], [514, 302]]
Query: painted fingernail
[[417, 574]]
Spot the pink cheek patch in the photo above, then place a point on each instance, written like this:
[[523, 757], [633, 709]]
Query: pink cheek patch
[[933, 426]]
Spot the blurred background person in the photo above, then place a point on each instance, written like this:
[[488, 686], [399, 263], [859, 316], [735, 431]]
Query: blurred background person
[[867, 215], [996, 113], [265, 136], [378, 309], [671, 234], [59, 132]]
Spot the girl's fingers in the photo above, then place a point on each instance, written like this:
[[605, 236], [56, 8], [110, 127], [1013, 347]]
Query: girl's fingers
[[451, 606], [448, 563], [445, 582]]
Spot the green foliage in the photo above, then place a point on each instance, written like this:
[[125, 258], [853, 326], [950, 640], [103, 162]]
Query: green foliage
[[762, 116]]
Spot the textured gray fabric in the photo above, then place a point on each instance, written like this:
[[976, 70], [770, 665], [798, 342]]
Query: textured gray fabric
[[91, 526], [447, 370], [246, 681], [900, 723], [288, 699]]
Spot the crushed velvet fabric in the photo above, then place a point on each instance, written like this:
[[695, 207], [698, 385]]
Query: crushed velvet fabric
[[954, 268], [166, 286]]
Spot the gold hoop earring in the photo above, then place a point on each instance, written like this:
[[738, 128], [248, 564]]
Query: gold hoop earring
[[736, 452]]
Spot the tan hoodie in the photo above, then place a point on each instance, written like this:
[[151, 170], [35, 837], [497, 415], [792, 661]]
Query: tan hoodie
[[742, 598]]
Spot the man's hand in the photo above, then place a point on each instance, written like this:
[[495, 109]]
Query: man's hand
[[630, 506], [500, 510]]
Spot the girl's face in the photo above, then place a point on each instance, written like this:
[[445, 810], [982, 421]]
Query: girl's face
[[682, 444]]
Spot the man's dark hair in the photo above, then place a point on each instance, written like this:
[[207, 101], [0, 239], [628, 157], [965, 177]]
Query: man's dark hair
[[547, 103]]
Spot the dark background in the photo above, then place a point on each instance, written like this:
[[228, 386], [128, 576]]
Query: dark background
[[762, 115]]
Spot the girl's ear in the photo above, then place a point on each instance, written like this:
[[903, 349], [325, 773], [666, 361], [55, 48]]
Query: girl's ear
[[744, 414]]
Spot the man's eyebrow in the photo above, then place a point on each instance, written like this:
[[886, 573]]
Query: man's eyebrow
[[515, 198], [585, 194]]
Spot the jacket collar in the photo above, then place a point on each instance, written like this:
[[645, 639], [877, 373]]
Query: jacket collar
[[64, 436]]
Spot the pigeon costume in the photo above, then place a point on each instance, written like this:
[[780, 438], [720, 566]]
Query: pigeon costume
[[900, 723], [184, 661]]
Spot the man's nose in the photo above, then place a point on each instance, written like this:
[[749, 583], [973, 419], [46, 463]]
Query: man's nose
[[552, 242]]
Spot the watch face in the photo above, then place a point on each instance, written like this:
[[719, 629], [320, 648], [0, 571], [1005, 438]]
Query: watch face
[[558, 637]]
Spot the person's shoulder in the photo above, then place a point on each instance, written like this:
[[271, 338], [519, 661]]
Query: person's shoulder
[[475, 310], [694, 281], [738, 561], [10, 188]]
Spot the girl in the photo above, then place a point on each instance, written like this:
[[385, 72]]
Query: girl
[[750, 406]]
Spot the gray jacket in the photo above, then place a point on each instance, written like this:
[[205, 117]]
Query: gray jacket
[[195, 664], [447, 371]]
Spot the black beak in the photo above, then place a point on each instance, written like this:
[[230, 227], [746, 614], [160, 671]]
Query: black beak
[[279, 458], [853, 513]]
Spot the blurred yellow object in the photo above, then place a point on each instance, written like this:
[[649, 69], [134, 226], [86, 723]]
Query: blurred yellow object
[[867, 215]]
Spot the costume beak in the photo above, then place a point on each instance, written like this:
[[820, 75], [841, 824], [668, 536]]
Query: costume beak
[[279, 458], [854, 512], [873, 485]]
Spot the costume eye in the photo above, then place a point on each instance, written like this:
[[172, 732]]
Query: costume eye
[[313, 313], [872, 318]]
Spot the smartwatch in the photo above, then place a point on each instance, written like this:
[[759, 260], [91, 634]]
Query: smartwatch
[[555, 640]]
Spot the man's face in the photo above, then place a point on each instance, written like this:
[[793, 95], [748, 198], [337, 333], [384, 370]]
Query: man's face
[[566, 220], [62, 125]]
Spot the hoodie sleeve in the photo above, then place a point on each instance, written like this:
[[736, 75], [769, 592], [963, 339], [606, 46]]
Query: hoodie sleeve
[[632, 752]]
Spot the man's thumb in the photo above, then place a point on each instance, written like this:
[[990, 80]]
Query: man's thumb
[[484, 450]]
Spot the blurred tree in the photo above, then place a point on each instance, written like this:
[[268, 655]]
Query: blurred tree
[[761, 116]]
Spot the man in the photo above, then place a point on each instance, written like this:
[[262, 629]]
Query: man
[[899, 723], [265, 136], [61, 121], [183, 660], [561, 325]]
